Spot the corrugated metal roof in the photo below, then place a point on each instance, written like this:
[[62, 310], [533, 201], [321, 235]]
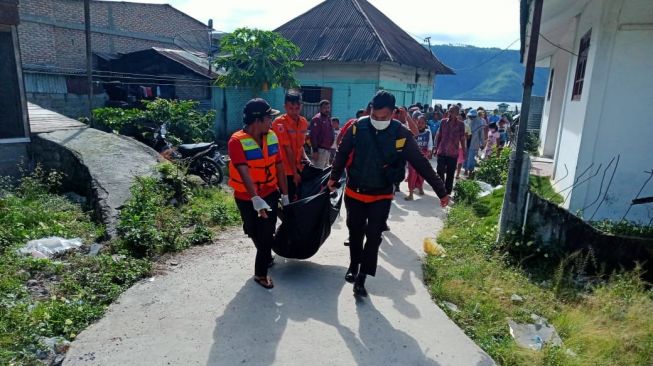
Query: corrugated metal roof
[[199, 65], [356, 31]]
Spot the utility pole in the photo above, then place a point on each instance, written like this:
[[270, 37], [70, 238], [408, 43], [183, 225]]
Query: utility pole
[[512, 210], [89, 58], [428, 40]]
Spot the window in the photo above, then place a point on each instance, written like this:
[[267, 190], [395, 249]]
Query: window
[[581, 65], [548, 94], [311, 96]]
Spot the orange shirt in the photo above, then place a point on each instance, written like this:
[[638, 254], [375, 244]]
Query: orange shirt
[[293, 134]]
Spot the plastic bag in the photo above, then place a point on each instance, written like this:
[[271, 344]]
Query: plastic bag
[[433, 248], [48, 247]]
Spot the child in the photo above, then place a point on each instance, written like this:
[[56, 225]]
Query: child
[[460, 162], [425, 143], [503, 132], [493, 137]]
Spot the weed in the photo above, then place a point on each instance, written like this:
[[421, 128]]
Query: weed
[[608, 323], [625, 228], [543, 188], [494, 169], [466, 191], [532, 145]]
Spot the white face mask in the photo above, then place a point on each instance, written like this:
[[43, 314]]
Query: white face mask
[[380, 125]]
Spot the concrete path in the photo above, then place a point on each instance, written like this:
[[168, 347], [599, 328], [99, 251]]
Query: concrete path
[[206, 310]]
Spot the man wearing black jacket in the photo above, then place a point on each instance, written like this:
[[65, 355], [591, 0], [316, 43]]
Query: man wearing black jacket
[[379, 147]]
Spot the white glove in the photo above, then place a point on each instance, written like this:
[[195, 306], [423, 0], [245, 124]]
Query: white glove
[[260, 204], [285, 201]]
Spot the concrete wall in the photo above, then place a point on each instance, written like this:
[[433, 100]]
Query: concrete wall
[[605, 131], [558, 231], [235, 101], [573, 112], [622, 84], [52, 32], [353, 84], [560, 62], [401, 81], [70, 105], [10, 156]]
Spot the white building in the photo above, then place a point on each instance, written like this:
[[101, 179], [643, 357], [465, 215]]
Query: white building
[[598, 113]]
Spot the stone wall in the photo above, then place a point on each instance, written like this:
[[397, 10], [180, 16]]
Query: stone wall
[[70, 105], [554, 226]]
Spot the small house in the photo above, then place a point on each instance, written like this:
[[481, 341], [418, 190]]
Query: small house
[[350, 50]]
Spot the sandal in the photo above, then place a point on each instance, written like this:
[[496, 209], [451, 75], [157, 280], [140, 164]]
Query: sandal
[[265, 282]]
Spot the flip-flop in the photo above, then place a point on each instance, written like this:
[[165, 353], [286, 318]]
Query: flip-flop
[[265, 282]]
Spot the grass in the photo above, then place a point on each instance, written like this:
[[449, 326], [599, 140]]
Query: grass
[[543, 188], [60, 297], [610, 324]]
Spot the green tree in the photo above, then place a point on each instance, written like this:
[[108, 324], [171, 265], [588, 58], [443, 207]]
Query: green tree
[[258, 59]]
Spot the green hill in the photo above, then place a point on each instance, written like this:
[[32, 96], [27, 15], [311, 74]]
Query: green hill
[[484, 74]]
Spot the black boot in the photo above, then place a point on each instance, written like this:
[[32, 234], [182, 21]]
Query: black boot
[[359, 285], [352, 271]]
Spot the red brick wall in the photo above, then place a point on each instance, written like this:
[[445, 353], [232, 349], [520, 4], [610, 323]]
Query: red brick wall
[[56, 45]]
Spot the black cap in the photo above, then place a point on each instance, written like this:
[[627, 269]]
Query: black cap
[[257, 108], [293, 96]]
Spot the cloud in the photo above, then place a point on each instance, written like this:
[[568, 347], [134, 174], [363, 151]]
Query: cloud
[[478, 22]]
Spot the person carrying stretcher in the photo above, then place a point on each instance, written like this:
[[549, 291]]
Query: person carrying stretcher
[[256, 173], [380, 147]]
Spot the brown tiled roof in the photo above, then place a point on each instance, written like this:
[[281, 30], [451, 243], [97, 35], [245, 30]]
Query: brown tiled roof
[[356, 31]]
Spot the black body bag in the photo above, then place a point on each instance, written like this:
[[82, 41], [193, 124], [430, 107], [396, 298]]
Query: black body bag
[[306, 223]]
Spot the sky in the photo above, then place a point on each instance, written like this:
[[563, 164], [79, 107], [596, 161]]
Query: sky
[[482, 23]]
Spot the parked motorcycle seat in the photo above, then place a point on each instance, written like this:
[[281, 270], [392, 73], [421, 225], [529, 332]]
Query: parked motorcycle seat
[[189, 149]]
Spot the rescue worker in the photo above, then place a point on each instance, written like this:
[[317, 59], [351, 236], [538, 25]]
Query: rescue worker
[[380, 147], [256, 174], [291, 129]]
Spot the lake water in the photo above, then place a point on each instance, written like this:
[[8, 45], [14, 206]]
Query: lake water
[[476, 103]]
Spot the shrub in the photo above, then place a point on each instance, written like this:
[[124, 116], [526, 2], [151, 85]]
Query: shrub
[[148, 225], [200, 235], [532, 145], [117, 119], [625, 228], [466, 191], [175, 177], [30, 211], [494, 169], [185, 123]]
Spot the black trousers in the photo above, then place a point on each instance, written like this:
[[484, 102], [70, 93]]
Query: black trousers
[[260, 230], [366, 221], [446, 169], [292, 188]]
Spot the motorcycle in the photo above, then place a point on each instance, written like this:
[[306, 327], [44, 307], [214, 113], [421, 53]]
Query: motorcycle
[[202, 159]]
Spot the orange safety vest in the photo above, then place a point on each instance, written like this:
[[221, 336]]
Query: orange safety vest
[[261, 162]]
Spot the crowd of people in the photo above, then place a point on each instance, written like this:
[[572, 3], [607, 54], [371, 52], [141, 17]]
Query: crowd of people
[[374, 149]]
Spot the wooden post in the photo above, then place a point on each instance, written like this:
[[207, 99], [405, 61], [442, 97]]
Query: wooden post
[[89, 58], [511, 211]]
